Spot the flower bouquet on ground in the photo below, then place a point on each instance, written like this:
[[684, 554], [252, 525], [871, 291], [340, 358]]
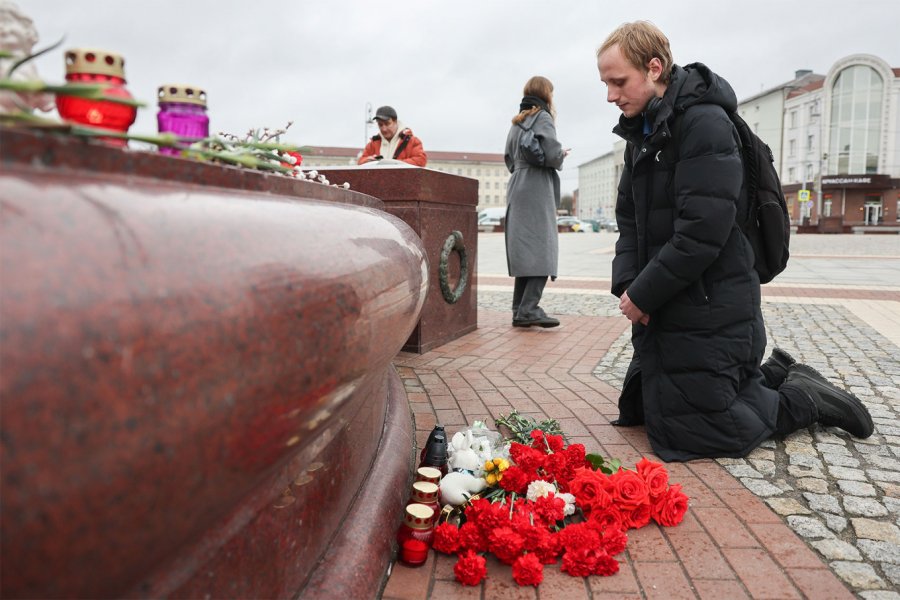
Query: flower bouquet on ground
[[553, 502]]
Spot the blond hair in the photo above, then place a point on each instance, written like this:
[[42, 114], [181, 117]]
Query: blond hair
[[539, 87], [640, 42]]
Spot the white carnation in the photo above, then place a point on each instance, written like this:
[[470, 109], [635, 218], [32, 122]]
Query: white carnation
[[570, 503], [539, 488]]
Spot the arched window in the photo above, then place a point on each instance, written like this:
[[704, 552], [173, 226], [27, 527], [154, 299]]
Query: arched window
[[856, 100]]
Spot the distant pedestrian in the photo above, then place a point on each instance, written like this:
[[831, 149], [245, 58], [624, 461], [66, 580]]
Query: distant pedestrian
[[683, 269], [394, 141], [533, 156]]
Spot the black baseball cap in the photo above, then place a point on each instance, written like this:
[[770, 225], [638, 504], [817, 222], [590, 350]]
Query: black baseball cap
[[385, 113]]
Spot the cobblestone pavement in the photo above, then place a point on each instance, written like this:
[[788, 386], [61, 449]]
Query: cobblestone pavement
[[838, 493]]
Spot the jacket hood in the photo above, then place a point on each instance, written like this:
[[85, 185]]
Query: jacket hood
[[699, 85], [402, 130]]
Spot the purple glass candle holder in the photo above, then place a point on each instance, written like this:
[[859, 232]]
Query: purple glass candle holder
[[182, 111]]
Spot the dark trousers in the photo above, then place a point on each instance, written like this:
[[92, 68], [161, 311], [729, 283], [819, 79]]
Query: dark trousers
[[526, 296], [796, 410]]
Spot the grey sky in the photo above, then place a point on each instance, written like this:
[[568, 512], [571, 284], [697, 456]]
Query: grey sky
[[453, 70]]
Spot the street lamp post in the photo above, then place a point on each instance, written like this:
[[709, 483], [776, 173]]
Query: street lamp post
[[367, 124], [817, 114]]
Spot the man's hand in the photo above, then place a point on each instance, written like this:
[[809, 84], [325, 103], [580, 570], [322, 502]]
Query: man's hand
[[631, 311]]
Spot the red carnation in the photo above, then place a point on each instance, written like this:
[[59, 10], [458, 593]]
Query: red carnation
[[549, 509], [557, 465], [606, 565], [581, 561], [670, 508], [493, 516], [298, 160], [506, 544], [614, 541], [476, 508], [528, 570], [532, 535], [470, 569], [577, 455], [526, 457], [515, 480], [446, 538], [580, 535], [630, 489], [537, 440], [555, 442], [656, 476], [548, 549], [471, 538], [545, 442]]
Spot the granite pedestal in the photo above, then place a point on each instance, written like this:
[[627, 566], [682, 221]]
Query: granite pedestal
[[435, 205]]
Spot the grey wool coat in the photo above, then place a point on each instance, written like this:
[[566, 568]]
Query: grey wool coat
[[533, 195]]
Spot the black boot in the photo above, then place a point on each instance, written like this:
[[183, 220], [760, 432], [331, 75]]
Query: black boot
[[836, 407], [775, 369]]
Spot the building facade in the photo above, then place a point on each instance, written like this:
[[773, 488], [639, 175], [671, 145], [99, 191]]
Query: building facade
[[489, 169], [841, 166], [764, 112], [598, 180]]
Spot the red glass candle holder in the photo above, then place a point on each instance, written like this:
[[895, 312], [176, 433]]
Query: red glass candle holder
[[85, 65], [416, 534], [426, 493]]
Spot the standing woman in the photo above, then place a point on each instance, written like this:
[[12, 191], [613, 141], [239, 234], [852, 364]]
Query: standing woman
[[533, 155]]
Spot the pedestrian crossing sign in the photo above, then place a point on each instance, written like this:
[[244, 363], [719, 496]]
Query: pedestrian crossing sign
[[803, 195]]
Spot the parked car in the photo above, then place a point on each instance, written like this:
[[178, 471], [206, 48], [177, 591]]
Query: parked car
[[572, 224], [490, 218], [594, 223], [611, 225]]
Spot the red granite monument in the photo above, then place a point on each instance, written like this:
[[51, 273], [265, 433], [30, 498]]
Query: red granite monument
[[196, 390]]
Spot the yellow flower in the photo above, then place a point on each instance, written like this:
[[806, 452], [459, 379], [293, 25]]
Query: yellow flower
[[503, 464], [490, 479], [488, 465]]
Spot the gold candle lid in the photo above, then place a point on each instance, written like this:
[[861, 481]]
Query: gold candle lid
[[425, 491], [419, 516], [181, 92], [95, 62], [428, 474]]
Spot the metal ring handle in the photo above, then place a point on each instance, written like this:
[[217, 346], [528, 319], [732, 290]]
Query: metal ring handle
[[454, 243]]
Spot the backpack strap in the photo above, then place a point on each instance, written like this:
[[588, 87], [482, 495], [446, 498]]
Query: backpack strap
[[744, 141], [402, 146]]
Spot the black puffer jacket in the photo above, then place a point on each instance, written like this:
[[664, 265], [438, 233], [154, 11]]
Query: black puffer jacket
[[695, 378]]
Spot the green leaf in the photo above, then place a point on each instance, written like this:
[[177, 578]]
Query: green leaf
[[91, 91], [21, 62], [521, 426], [596, 460]]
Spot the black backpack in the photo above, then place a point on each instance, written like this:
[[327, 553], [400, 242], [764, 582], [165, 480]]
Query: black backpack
[[762, 210]]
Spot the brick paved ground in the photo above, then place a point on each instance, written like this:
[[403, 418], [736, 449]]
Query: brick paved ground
[[760, 527]]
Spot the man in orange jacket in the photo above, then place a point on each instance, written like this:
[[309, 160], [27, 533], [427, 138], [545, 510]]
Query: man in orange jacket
[[393, 141]]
